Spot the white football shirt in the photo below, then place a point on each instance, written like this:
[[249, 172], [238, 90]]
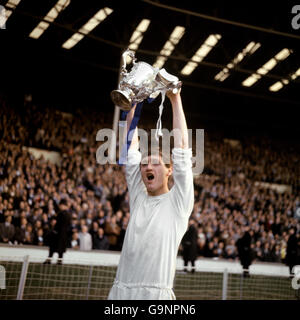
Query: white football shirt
[[157, 224]]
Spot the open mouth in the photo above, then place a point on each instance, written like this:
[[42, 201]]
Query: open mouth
[[150, 176]]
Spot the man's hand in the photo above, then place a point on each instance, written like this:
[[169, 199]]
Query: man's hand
[[172, 95]]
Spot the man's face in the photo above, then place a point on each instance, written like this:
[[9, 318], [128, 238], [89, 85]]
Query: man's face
[[154, 174], [63, 207], [100, 232]]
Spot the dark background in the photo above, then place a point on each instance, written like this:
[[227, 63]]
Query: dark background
[[83, 76]]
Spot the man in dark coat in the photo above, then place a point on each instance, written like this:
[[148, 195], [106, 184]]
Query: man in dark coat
[[7, 230], [58, 237], [244, 250], [100, 241], [292, 250], [189, 245]]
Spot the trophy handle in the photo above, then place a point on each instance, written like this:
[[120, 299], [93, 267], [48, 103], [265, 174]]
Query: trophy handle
[[169, 81], [124, 56]]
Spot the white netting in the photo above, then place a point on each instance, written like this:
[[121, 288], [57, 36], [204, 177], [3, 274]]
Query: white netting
[[81, 281], [68, 281], [260, 287]]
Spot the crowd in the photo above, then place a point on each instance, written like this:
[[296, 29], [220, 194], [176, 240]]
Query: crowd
[[227, 197], [224, 206]]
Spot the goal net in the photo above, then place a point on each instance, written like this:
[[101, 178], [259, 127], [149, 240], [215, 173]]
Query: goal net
[[81, 280]]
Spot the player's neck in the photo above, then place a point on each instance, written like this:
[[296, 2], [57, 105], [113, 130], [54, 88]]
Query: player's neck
[[158, 192]]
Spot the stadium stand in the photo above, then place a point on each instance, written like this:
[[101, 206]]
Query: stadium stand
[[228, 195]]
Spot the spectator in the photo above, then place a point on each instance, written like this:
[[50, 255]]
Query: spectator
[[38, 239], [29, 235], [45, 221], [244, 251], [20, 231], [220, 249], [209, 250], [258, 255], [201, 241], [276, 227], [113, 231], [189, 244], [37, 226], [7, 230], [230, 251], [89, 220], [101, 241], [75, 242], [119, 218], [230, 254], [230, 245], [82, 224], [74, 223], [283, 251], [275, 253], [292, 250], [85, 239], [59, 237], [94, 230], [266, 252], [101, 218]]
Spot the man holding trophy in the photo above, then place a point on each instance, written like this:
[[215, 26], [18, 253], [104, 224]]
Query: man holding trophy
[[158, 216]]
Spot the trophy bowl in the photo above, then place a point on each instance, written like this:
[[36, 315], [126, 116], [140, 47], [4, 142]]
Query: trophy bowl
[[122, 99]]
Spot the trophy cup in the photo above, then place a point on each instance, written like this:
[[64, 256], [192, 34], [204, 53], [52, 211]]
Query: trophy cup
[[142, 82]]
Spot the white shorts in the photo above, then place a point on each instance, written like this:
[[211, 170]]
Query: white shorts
[[120, 291]]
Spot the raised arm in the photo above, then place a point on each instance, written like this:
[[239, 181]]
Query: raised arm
[[135, 141], [179, 121], [183, 189], [133, 173]]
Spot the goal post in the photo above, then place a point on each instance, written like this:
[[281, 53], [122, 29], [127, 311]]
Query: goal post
[[78, 280]]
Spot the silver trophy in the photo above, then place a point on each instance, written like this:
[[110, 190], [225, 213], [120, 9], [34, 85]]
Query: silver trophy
[[142, 82]]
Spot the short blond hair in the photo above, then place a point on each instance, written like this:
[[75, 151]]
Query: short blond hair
[[166, 158]]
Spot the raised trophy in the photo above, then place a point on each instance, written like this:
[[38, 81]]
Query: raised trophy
[[142, 82]]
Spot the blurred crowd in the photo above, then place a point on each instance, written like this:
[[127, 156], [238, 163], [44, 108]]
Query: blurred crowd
[[227, 197]]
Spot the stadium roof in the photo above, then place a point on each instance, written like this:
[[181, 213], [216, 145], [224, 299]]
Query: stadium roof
[[224, 54]]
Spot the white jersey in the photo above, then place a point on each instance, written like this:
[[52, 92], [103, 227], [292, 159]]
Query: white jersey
[[157, 224]]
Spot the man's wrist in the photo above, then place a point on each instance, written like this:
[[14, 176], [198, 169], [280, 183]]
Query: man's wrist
[[175, 99], [173, 96]]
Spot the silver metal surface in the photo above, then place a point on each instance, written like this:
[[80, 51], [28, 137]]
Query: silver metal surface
[[142, 82]]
